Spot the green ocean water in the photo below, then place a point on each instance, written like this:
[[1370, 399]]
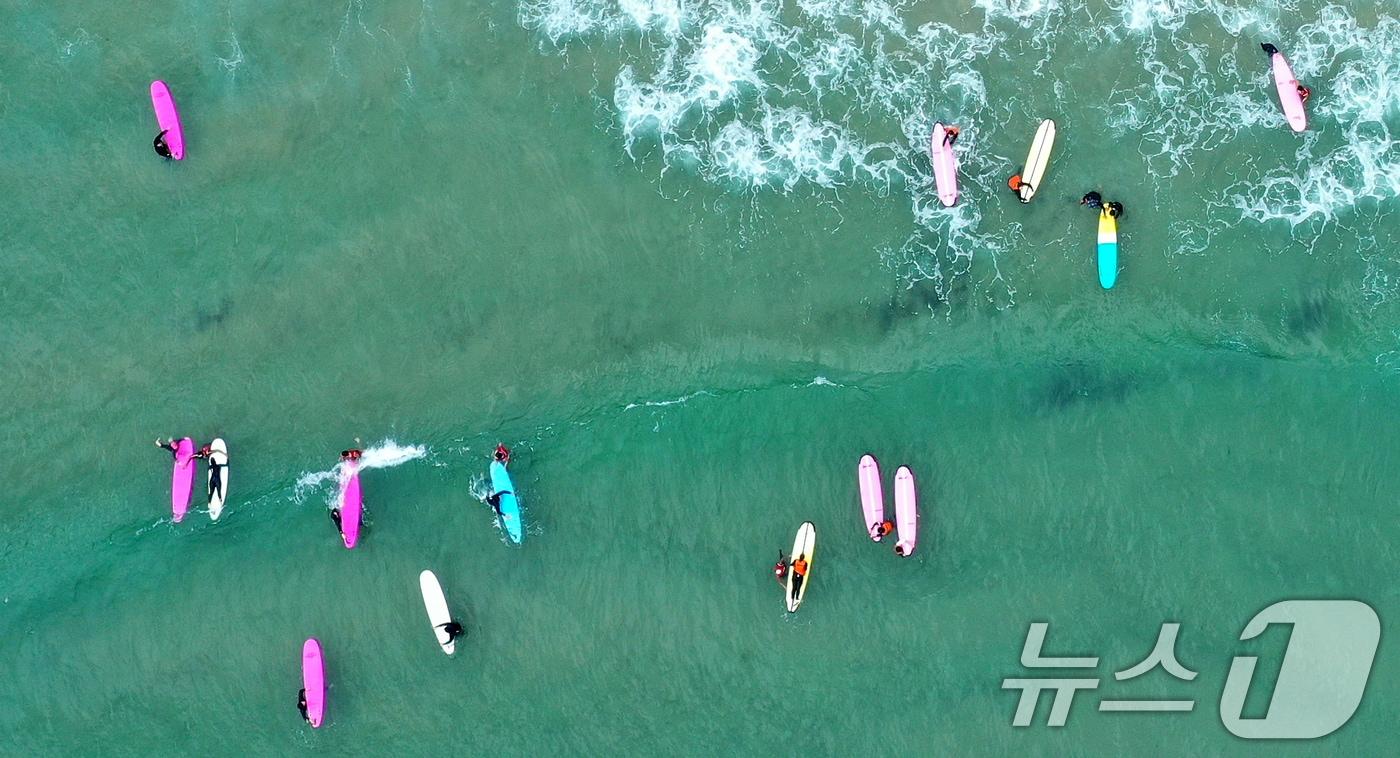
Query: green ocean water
[[439, 226]]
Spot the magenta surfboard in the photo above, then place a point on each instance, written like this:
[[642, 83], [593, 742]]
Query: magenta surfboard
[[168, 118], [182, 480], [1288, 96], [945, 166], [350, 506], [872, 496], [906, 511], [313, 679]]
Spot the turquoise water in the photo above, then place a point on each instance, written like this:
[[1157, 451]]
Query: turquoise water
[[686, 260]]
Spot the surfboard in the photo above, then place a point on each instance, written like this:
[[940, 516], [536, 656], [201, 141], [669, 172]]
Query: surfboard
[[1108, 248], [872, 497], [218, 478], [313, 679], [906, 511], [168, 118], [351, 506], [182, 479], [804, 546], [436, 604], [1288, 96], [1037, 160], [510, 505], [945, 166]]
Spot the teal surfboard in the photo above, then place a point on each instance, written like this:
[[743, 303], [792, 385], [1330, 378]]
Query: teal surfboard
[[510, 506]]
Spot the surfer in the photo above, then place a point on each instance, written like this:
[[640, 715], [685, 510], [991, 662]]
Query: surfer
[[799, 573], [1092, 199], [1269, 49], [780, 568], [453, 630], [502, 454], [1115, 209], [1304, 92], [950, 135], [881, 530], [1017, 184], [335, 516], [353, 454], [494, 500], [162, 149], [167, 445], [301, 705]]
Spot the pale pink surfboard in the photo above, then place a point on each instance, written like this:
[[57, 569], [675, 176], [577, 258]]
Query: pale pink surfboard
[[182, 480], [1288, 96], [313, 679], [906, 511], [168, 118], [351, 506], [872, 497], [945, 166]]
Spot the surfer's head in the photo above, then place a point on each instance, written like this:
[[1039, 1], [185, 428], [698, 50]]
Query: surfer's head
[[1269, 48]]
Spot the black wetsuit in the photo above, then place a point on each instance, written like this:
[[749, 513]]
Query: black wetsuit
[[216, 478], [162, 149]]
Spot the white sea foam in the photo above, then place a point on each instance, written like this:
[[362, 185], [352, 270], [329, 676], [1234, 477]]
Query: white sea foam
[[386, 454], [820, 96]]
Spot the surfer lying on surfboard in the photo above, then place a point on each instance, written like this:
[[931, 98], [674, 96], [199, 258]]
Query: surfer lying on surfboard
[[799, 573], [301, 704]]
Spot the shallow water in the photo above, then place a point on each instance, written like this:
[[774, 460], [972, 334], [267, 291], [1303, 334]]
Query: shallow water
[[685, 258]]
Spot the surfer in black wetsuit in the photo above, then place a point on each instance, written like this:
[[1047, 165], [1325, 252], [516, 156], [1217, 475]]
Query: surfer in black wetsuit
[[1269, 49], [494, 500], [950, 135], [453, 629], [1115, 209], [1092, 199], [216, 472], [162, 149], [335, 516], [301, 705]]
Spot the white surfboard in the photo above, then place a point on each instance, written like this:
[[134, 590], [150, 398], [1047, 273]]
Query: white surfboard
[[218, 478], [436, 604], [802, 547], [1037, 160]]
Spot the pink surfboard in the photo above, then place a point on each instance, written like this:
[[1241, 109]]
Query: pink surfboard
[[313, 679], [945, 166], [350, 506], [906, 511], [1288, 93], [168, 118], [182, 480], [872, 497]]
